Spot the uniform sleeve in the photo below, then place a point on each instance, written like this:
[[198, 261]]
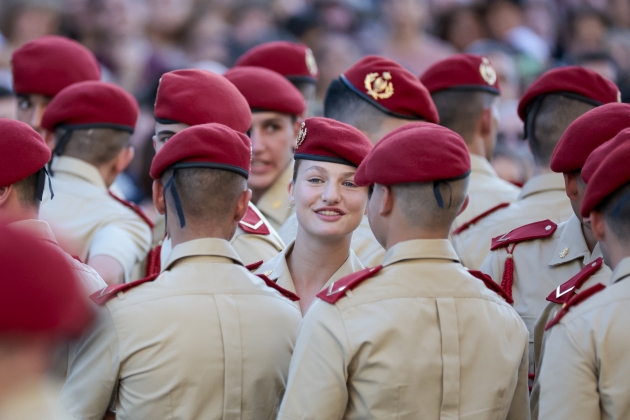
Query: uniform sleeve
[[93, 366], [568, 379], [519, 409], [253, 248], [318, 373], [492, 266], [540, 339]]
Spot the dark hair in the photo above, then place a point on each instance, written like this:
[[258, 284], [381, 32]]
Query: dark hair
[[95, 146], [344, 105], [27, 191], [459, 110], [616, 211]]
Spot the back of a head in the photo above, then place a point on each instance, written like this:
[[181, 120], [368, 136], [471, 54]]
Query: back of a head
[[345, 106], [460, 109]]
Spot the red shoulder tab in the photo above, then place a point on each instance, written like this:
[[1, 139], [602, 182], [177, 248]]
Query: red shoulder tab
[[154, 261], [103, 296], [490, 284], [252, 223], [562, 293], [536, 230], [253, 266], [575, 300], [133, 207], [284, 292], [338, 289], [486, 213]]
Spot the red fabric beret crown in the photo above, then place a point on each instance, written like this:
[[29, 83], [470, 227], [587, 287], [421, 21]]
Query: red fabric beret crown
[[266, 90], [391, 88], [204, 146], [328, 140], [51, 63], [612, 173], [415, 152], [196, 97], [597, 156], [92, 103], [462, 71], [573, 80], [22, 151], [587, 133], [40, 292], [294, 61]]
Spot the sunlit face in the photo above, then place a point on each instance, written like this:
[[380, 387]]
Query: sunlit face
[[328, 203], [30, 109], [163, 132], [273, 140]]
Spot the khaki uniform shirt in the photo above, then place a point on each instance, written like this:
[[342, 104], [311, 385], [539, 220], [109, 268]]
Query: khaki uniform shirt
[[205, 340], [587, 364], [275, 203], [364, 244], [422, 338], [37, 401], [88, 222], [542, 197]]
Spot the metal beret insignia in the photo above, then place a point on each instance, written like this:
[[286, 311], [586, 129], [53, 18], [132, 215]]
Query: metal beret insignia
[[379, 87]]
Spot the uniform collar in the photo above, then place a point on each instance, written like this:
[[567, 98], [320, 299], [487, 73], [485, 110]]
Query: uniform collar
[[480, 165], [417, 249], [38, 228], [211, 247], [571, 245], [621, 271], [78, 168], [274, 204], [541, 183]]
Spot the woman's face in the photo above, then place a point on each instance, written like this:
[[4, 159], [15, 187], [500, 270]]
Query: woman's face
[[328, 203]]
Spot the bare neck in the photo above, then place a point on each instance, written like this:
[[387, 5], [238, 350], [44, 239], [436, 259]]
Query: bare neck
[[193, 231], [400, 231]]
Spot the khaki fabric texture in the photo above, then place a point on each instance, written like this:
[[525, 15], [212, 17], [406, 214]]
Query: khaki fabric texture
[[275, 203]]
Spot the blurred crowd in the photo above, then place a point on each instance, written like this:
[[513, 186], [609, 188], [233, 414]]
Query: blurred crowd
[[136, 41]]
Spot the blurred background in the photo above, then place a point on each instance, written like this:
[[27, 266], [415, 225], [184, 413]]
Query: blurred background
[[136, 41]]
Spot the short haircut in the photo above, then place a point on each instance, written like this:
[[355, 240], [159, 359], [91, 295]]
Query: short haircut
[[303, 85], [555, 113], [616, 211], [96, 146], [26, 190], [207, 195], [459, 110], [296, 168], [344, 105]]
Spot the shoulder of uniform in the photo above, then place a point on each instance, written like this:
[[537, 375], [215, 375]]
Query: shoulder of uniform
[[492, 285], [254, 266], [103, 296], [537, 230], [253, 223], [468, 224], [134, 207], [563, 294], [575, 300], [338, 289], [284, 292]]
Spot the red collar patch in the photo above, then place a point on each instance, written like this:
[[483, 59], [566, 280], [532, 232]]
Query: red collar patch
[[338, 289], [575, 300], [253, 266], [103, 296], [490, 284], [284, 292], [252, 223], [567, 290], [542, 229]]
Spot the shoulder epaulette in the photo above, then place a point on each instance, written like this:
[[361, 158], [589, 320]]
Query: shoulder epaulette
[[133, 207], [490, 284], [338, 289], [284, 292], [575, 300], [103, 296], [486, 213], [542, 229], [154, 261], [253, 266], [562, 293], [253, 223]]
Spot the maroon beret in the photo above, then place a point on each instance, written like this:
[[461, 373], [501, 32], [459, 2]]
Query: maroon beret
[[587, 133], [51, 63], [415, 152], [391, 88], [40, 292], [328, 140], [612, 173], [204, 146], [598, 155], [574, 81], [266, 90], [196, 97], [462, 72], [294, 61], [22, 151], [92, 104]]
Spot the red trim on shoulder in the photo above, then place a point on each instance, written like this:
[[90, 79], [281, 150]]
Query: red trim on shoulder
[[103, 296], [252, 223], [574, 301], [562, 293], [542, 229], [284, 292], [154, 261], [474, 220], [134, 207], [253, 266], [490, 284], [338, 289], [76, 257]]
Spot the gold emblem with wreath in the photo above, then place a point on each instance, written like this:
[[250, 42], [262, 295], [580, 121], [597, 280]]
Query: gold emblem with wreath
[[488, 73], [301, 135], [379, 87], [311, 64]]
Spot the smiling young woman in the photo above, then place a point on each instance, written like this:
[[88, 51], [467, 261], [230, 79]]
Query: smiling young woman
[[329, 206]]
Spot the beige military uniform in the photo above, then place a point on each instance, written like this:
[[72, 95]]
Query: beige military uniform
[[277, 270], [38, 401], [364, 244], [585, 371], [206, 339], [542, 197], [88, 222], [275, 203], [422, 338]]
